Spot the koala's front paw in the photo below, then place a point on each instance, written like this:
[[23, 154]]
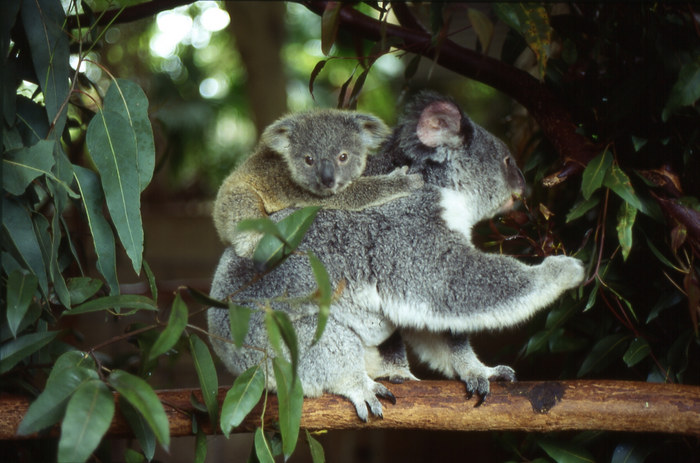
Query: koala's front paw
[[569, 270], [244, 243], [411, 181]]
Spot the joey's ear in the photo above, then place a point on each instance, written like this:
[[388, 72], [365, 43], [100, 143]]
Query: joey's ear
[[372, 129], [440, 124], [277, 135]]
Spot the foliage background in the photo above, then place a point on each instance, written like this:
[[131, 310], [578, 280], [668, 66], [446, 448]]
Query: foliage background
[[627, 76]]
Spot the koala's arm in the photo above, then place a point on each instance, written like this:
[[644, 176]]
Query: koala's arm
[[237, 200], [372, 191]]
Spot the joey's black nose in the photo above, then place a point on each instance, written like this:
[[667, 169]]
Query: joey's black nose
[[326, 172]]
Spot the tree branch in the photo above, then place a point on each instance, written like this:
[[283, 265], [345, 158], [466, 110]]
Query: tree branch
[[552, 116], [125, 15], [443, 405]]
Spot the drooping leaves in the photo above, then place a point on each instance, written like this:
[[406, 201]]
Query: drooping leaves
[[291, 397], [206, 372], [325, 294], [686, 90], [21, 287], [241, 398], [176, 325]]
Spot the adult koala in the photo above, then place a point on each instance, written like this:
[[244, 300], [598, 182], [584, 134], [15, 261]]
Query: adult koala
[[409, 266]]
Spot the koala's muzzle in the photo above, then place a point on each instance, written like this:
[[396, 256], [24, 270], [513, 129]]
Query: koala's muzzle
[[326, 172]]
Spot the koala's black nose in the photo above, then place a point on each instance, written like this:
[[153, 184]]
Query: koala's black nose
[[326, 172]]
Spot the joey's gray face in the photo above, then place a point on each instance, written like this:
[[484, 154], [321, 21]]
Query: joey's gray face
[[459, 155], [327, 152]]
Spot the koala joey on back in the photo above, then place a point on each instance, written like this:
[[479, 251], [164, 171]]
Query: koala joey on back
[[409, 268], [306, 159]]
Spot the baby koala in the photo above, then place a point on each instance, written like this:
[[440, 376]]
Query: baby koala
[[307, 159]]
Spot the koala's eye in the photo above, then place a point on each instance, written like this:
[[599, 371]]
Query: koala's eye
[[343, 157], [309, 160]]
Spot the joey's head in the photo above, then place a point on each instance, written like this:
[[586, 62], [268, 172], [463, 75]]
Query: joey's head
[[468, 163], [325, 150]]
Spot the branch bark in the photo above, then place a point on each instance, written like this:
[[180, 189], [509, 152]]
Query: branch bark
[[443, 405]]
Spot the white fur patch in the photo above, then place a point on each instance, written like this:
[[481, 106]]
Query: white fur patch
[[457, 212]]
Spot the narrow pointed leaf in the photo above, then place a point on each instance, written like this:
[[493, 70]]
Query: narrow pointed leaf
[[582, 208], [595, 173], [206, 372], [125, 301], [205, 299], [112, 145], [88, 415], [625, 221], [686, 90], [141, 396], [17, 223], [143, 432], [330, 22], [603, 353], [83, 288], [325, 294], [563, 452], [271, 250], [482, 26], [21, 287], [12, 352], [291, 398], [637, 351], [239, 319], [620, 183], [21, 167], [176, 325], [289, 336], [241, 398], [262, 447], [126, 98], [315, 448], [103, 238]]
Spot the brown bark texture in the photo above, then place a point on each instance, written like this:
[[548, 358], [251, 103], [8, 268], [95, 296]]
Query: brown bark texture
[[444, 406]]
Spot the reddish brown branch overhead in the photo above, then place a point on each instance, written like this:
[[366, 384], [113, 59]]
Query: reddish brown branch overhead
[[554, 119], [443, 405]]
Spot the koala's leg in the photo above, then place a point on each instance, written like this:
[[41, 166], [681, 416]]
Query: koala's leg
[[389, 361], [335, 364], [453, 356]]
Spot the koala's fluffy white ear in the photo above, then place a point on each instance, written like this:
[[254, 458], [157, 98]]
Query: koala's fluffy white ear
[[440, 124], [372, 130], [277, 135]]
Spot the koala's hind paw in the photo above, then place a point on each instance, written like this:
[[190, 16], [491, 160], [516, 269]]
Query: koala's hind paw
[[478, 381], [366, 401]]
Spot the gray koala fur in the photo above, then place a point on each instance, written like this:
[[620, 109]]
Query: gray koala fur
[[409, 267]]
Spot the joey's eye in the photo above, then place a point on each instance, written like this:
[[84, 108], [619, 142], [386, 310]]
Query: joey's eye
[[309, 160], [343, 157]]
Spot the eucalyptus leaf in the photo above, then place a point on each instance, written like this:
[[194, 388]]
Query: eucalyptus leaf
[[170, 335], [200, 445], [21, 167], [88, 415], [21, 287], [239, 319], [594, 174], [315, 448], [141, 429], [564, 452], [103, 238], [291, 397], [141, 396], [582, 208], [686, 90], [604, 352], [637, 351], [620, 183], [128, 301], [625, 221], [18, 226], [483, 27], [325, 294], [126, 98], [111, 142], [16, 350], [83, 288], [242, 398], [206, 372], [205, 299], [289, 336], [330, 22], [262, 447], [271, 250]]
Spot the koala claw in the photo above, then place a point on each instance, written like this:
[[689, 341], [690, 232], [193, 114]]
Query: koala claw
[[366, 402]]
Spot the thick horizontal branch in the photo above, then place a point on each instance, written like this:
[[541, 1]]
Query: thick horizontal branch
[[443, 405]]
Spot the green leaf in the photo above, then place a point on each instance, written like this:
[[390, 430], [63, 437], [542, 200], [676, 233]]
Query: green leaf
[[19, 228], [200, 445], [325, 294], [620, 183], [126, 98], [112, 144], [141, 396], [483, 27], [176, 325], [206, 372], [637, 351], [686, 90], [83, 288], [205, 299], [262, 447], [315, 448], [273, 333], [594, 174], [88, 415], [625, 222], [564, 452], [132, 456], [239, 319], [144, 434], [242, 398], [103, 238], [330, 21], [128, 301], [21, 167], [21, 287], [271, 250], [632, 452], [289, 336], [312, 78], [582, 208], [49, 243], [603, 353], [49, 407], [43, 21], [151, 281], [531, 21], [12, 352], [291, 397]]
